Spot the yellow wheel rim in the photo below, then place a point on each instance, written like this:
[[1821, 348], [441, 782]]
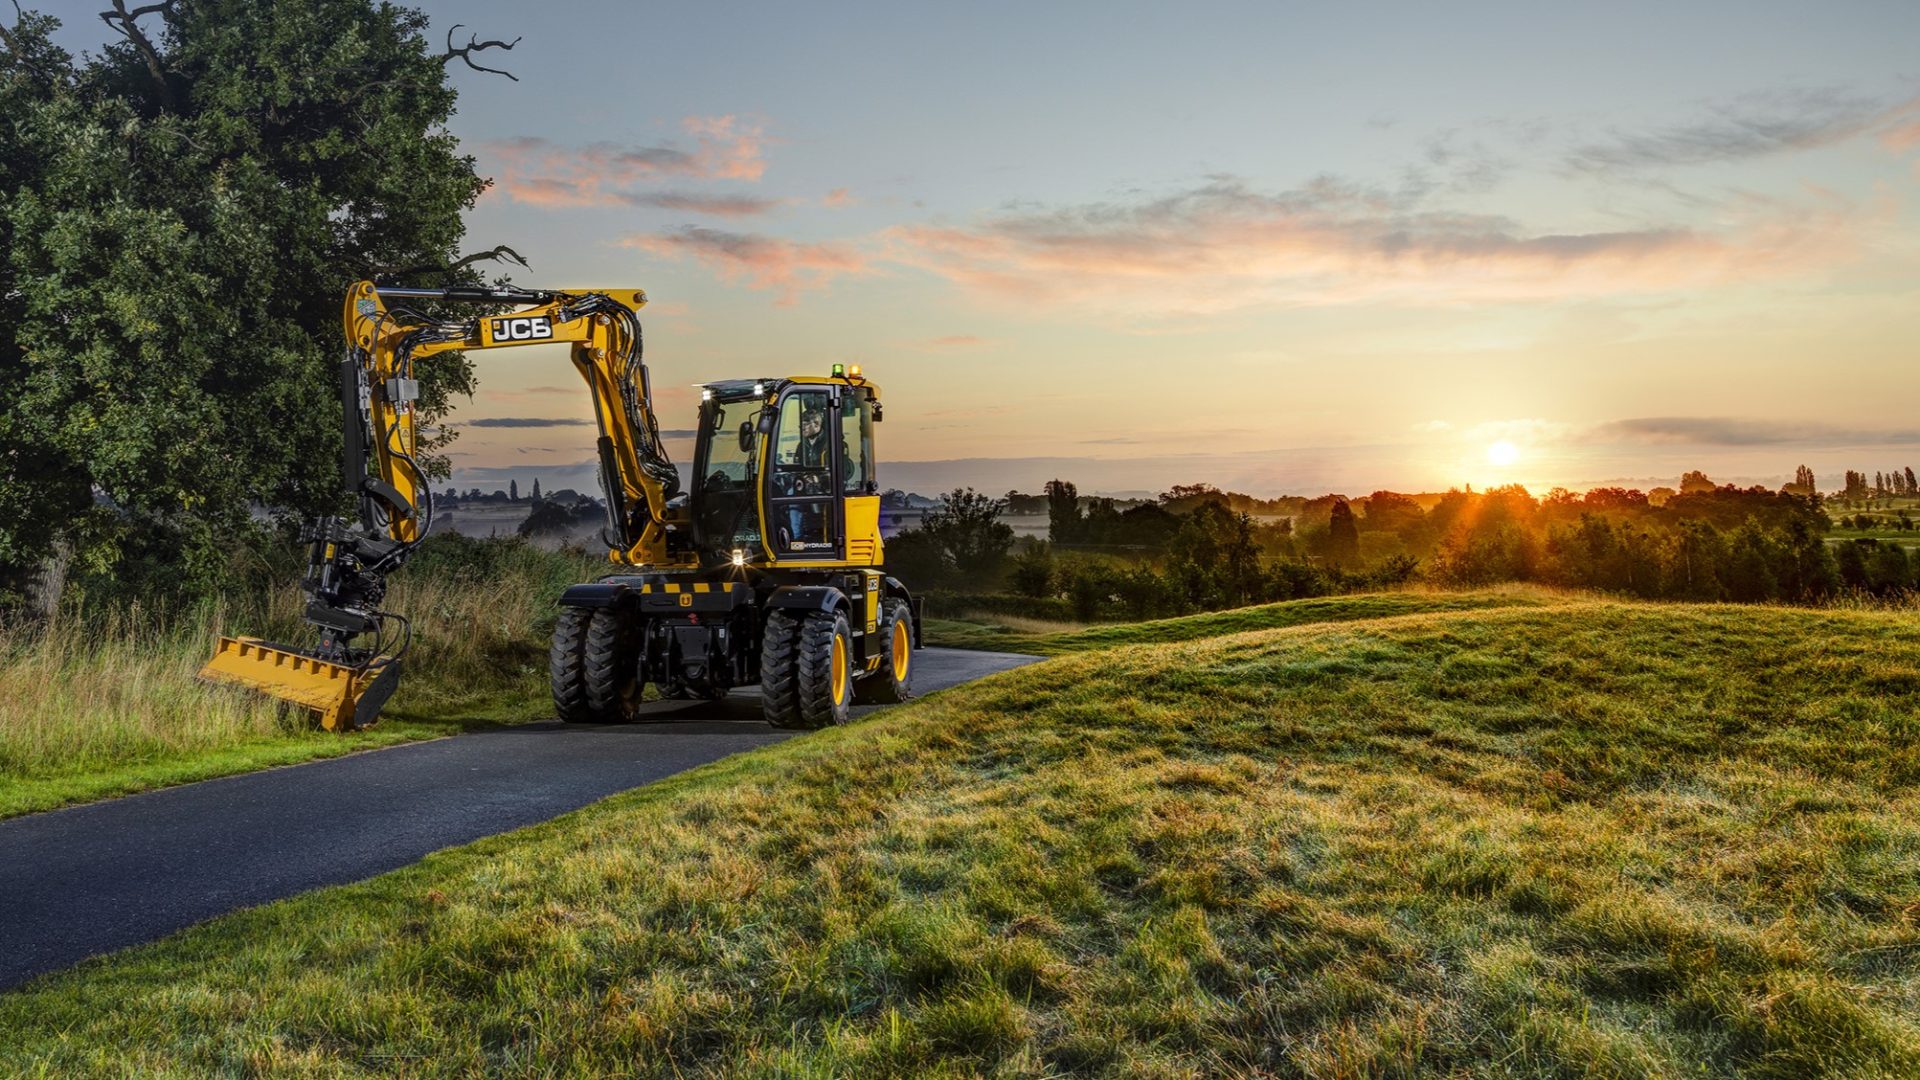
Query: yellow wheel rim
[[900, 653], [839, 669]]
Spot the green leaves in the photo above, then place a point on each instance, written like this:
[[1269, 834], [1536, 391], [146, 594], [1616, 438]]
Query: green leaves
[[174, 263]]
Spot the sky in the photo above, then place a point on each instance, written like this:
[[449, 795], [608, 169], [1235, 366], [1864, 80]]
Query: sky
[[1281, 248]]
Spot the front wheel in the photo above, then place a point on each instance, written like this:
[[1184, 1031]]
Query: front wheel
[[611, 661], [566, 665], [825, 670], [893, 682], [779, 671]]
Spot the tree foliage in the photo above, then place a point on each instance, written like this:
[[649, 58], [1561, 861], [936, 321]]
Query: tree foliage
[[181, 214], [967, 530]]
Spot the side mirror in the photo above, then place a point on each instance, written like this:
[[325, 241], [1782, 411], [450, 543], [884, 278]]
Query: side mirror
[[746, 436], [876, 411], [765, 422]]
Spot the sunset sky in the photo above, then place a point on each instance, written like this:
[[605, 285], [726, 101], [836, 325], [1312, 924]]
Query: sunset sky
[[1275, 248]]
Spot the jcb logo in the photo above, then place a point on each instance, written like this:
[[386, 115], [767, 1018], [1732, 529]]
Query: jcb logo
[[535, 328]]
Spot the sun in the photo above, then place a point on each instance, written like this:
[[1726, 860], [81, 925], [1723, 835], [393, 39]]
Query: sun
[[1503, 453]]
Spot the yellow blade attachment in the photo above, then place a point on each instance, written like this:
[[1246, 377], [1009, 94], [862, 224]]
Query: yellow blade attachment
[[330, 689]]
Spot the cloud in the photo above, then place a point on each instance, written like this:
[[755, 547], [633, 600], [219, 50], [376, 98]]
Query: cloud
[[1223, 245], [837, 198], [1902, 137], [952, 341], [539, 172], [526, 422], [716, 205], [1523, 430], [1734, 431], [1466, 165], [1756, 126], [759, 262]]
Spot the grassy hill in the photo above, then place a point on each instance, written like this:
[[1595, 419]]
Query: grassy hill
[[1045, 639], [1593, 838]]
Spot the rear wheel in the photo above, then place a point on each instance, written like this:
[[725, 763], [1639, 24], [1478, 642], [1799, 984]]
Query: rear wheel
[[893, 682], [612, 667], [826, 669], [779, 671], [566, 665]]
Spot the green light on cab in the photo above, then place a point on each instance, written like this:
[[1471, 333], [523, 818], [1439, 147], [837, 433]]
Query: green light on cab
[[839, 370]]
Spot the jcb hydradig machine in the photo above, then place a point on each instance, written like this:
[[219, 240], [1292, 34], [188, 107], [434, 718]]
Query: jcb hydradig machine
[[768, 571]]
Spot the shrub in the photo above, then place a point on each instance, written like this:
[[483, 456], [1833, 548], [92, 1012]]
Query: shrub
[[1032, 570]]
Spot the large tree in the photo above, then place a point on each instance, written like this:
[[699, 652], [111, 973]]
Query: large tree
[[181, 214]]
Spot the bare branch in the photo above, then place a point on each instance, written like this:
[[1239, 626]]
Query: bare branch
[[474, 45], [180, 135], [126, 22], [502, 253]]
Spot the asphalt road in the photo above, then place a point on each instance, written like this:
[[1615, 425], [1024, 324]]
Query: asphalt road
[[90, 879]]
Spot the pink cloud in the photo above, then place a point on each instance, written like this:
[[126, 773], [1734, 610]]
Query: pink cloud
[[761, 262], [837, 198], [957, 341], [729, 148], [1901, 138], [1224, 246], [539, 172]]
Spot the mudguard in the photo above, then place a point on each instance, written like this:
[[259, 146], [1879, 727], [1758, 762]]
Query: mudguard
[[809, 598], [915, 606], [594, 594]]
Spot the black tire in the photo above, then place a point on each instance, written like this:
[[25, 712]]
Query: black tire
[[613, 689], [779, 675], [825, 699], [892, 683], [566, 666]]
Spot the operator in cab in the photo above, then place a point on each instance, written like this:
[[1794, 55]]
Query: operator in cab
[[814, 445]]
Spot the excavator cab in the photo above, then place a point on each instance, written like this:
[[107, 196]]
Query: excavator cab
[[784, 472]]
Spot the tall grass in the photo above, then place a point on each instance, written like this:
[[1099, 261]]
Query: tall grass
[[100, 702], [74, 697]]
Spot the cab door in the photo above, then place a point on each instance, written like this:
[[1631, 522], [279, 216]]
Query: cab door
[[803, 478]]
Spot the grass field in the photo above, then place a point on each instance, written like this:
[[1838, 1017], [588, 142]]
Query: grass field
[[1003, 634], [114, 708], [1584, 839]]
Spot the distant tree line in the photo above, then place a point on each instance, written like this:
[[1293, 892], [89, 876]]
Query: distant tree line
[[1192, 550], [1892, 484]]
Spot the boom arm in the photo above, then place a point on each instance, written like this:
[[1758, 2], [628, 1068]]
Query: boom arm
[[348, 567], [602, 326]]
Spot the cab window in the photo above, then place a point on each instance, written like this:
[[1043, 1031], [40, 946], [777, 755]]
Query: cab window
[[856, 435]]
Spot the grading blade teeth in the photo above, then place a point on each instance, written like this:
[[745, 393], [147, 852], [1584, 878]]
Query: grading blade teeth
[[330, 689]]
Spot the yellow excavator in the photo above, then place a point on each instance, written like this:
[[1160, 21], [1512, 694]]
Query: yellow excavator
[[767, 571]]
